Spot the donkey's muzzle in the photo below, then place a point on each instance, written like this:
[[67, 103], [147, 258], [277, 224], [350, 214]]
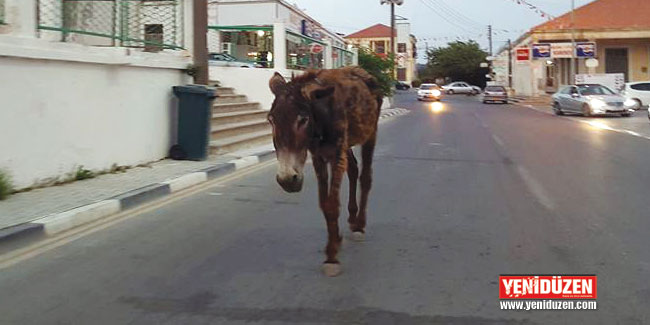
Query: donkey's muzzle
[[290, 183]]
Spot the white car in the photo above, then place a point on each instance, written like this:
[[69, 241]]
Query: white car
[[429, 91], [639, 92], [459, 87], [227, 60]]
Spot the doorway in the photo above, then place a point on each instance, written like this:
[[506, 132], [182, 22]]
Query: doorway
[[616, 61]]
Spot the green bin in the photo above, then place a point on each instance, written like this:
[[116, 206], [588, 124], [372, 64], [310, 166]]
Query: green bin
[[194, 113]]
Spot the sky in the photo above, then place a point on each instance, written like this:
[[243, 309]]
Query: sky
[[434, 20]]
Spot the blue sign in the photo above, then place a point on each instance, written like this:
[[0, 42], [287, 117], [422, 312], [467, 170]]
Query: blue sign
[[541, 51], [586, 50]]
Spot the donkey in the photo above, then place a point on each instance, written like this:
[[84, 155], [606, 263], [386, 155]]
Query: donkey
[[327, 112]]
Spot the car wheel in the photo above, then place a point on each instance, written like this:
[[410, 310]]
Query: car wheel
[[450, 91], [586, 110], [485, 102], [639, 104], [505, 102], [626, 114], [557, 109]]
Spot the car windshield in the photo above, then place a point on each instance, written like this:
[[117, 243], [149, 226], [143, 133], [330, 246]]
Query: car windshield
[[428, 87], [494, 88], [588, 90]]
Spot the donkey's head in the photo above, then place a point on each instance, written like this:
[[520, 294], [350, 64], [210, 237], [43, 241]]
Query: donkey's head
[[294, 117]]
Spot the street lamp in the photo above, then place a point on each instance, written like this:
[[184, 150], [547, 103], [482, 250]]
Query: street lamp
[[392, 24]]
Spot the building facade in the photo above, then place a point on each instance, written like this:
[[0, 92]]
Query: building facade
[[377, 38], [610, 37]]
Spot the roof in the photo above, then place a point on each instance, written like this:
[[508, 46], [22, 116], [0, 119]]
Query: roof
[[604, 14], [379, 30]]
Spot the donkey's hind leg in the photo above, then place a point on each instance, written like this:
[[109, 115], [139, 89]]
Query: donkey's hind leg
[[367, 152], [353, 179]]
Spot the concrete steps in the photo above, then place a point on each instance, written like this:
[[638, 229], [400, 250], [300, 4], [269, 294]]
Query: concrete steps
[[237, 123]]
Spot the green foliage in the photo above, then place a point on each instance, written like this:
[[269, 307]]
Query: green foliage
[[82, 174], [381, 68], [416, 83], [458, 61], [6, 185]]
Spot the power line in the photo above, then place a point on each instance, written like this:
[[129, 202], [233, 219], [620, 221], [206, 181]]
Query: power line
[[456, 14], [445, 18]]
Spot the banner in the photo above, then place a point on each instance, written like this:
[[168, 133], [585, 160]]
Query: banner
[[522, 54], [561, 50]]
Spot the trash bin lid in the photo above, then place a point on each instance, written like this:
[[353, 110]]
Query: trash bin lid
[[195, 89]]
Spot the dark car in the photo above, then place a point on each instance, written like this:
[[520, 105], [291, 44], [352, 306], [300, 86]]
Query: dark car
[[401, 85]]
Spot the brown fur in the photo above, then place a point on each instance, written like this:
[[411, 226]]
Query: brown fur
[[342, 108]]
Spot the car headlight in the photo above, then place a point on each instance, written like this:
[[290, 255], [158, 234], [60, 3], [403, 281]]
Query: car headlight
[[436, 92], [630, 102], [597, 103]]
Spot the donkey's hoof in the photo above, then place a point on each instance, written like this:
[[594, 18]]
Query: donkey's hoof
[[358, 236], [331, 269]]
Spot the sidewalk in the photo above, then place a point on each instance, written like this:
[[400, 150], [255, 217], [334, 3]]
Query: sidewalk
[[29, 206]]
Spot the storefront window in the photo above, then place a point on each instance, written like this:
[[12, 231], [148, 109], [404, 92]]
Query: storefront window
[[304, 52], [247, 44], [341, 57]]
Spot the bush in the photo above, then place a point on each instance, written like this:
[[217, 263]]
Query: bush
[[380, 68], [6, 186], [82, 174], [416, 83]]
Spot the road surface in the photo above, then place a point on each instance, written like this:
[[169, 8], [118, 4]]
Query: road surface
[[462, 193]]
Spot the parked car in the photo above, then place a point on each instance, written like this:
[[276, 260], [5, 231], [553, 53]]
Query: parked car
[[227, 60], [477, 90], [591, 99], [459, 87], [495, 94], [429, 91], [639, 92], [402, 85]]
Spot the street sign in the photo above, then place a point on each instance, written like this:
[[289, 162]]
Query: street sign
[[591, 63], [522, 54], [316, 48]]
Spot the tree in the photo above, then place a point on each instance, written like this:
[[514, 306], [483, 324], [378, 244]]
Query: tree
[[459, 61], [379, 67]]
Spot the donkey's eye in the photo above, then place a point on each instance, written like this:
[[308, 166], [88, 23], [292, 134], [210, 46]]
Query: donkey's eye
[[302, 120]]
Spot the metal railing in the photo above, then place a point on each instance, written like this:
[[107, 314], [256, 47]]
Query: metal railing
[[2, 12], [152, 24]]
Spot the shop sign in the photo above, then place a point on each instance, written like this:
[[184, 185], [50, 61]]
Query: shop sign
[[586, 50], [316, 48], [541, 51], [561, 50], [522, 54]]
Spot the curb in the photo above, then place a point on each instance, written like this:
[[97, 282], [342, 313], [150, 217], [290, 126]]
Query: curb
[[59, 222]]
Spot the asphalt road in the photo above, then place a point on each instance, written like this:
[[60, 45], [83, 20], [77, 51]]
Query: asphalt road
[[461, 195]]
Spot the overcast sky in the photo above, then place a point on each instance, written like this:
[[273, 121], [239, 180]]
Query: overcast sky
[[462, 18]]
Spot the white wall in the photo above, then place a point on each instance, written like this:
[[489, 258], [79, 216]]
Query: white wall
[[66, 105], [254, 83]]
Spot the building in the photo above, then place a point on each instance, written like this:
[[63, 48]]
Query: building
[[377, 38], [611, 36], [276, 36], [83, 86]]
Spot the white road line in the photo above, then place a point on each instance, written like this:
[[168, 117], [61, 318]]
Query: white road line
[[536, 188], [498, 140]]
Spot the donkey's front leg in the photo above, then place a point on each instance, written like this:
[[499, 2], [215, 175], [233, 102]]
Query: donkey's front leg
[[331, 209]]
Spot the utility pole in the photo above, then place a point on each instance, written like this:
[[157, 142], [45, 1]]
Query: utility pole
[[392, 27], [490, 38], [509, 64], [573, 42], [200, 11]]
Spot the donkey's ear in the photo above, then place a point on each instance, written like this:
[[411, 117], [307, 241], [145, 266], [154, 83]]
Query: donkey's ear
[[315, 91], [277, 84]]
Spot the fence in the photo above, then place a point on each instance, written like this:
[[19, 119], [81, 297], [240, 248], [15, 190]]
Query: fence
[[2, 12], [153, 24]]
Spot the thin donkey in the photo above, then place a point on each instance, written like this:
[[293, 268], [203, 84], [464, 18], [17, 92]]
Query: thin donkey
[[327, 112]]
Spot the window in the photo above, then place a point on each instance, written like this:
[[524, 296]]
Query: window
[[587, 90], [401, 47], [495, 88], [303, 52], [641, 87], [380, 47]]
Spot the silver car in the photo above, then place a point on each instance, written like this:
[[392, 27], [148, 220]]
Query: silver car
[[227, 60], [591, 99]]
